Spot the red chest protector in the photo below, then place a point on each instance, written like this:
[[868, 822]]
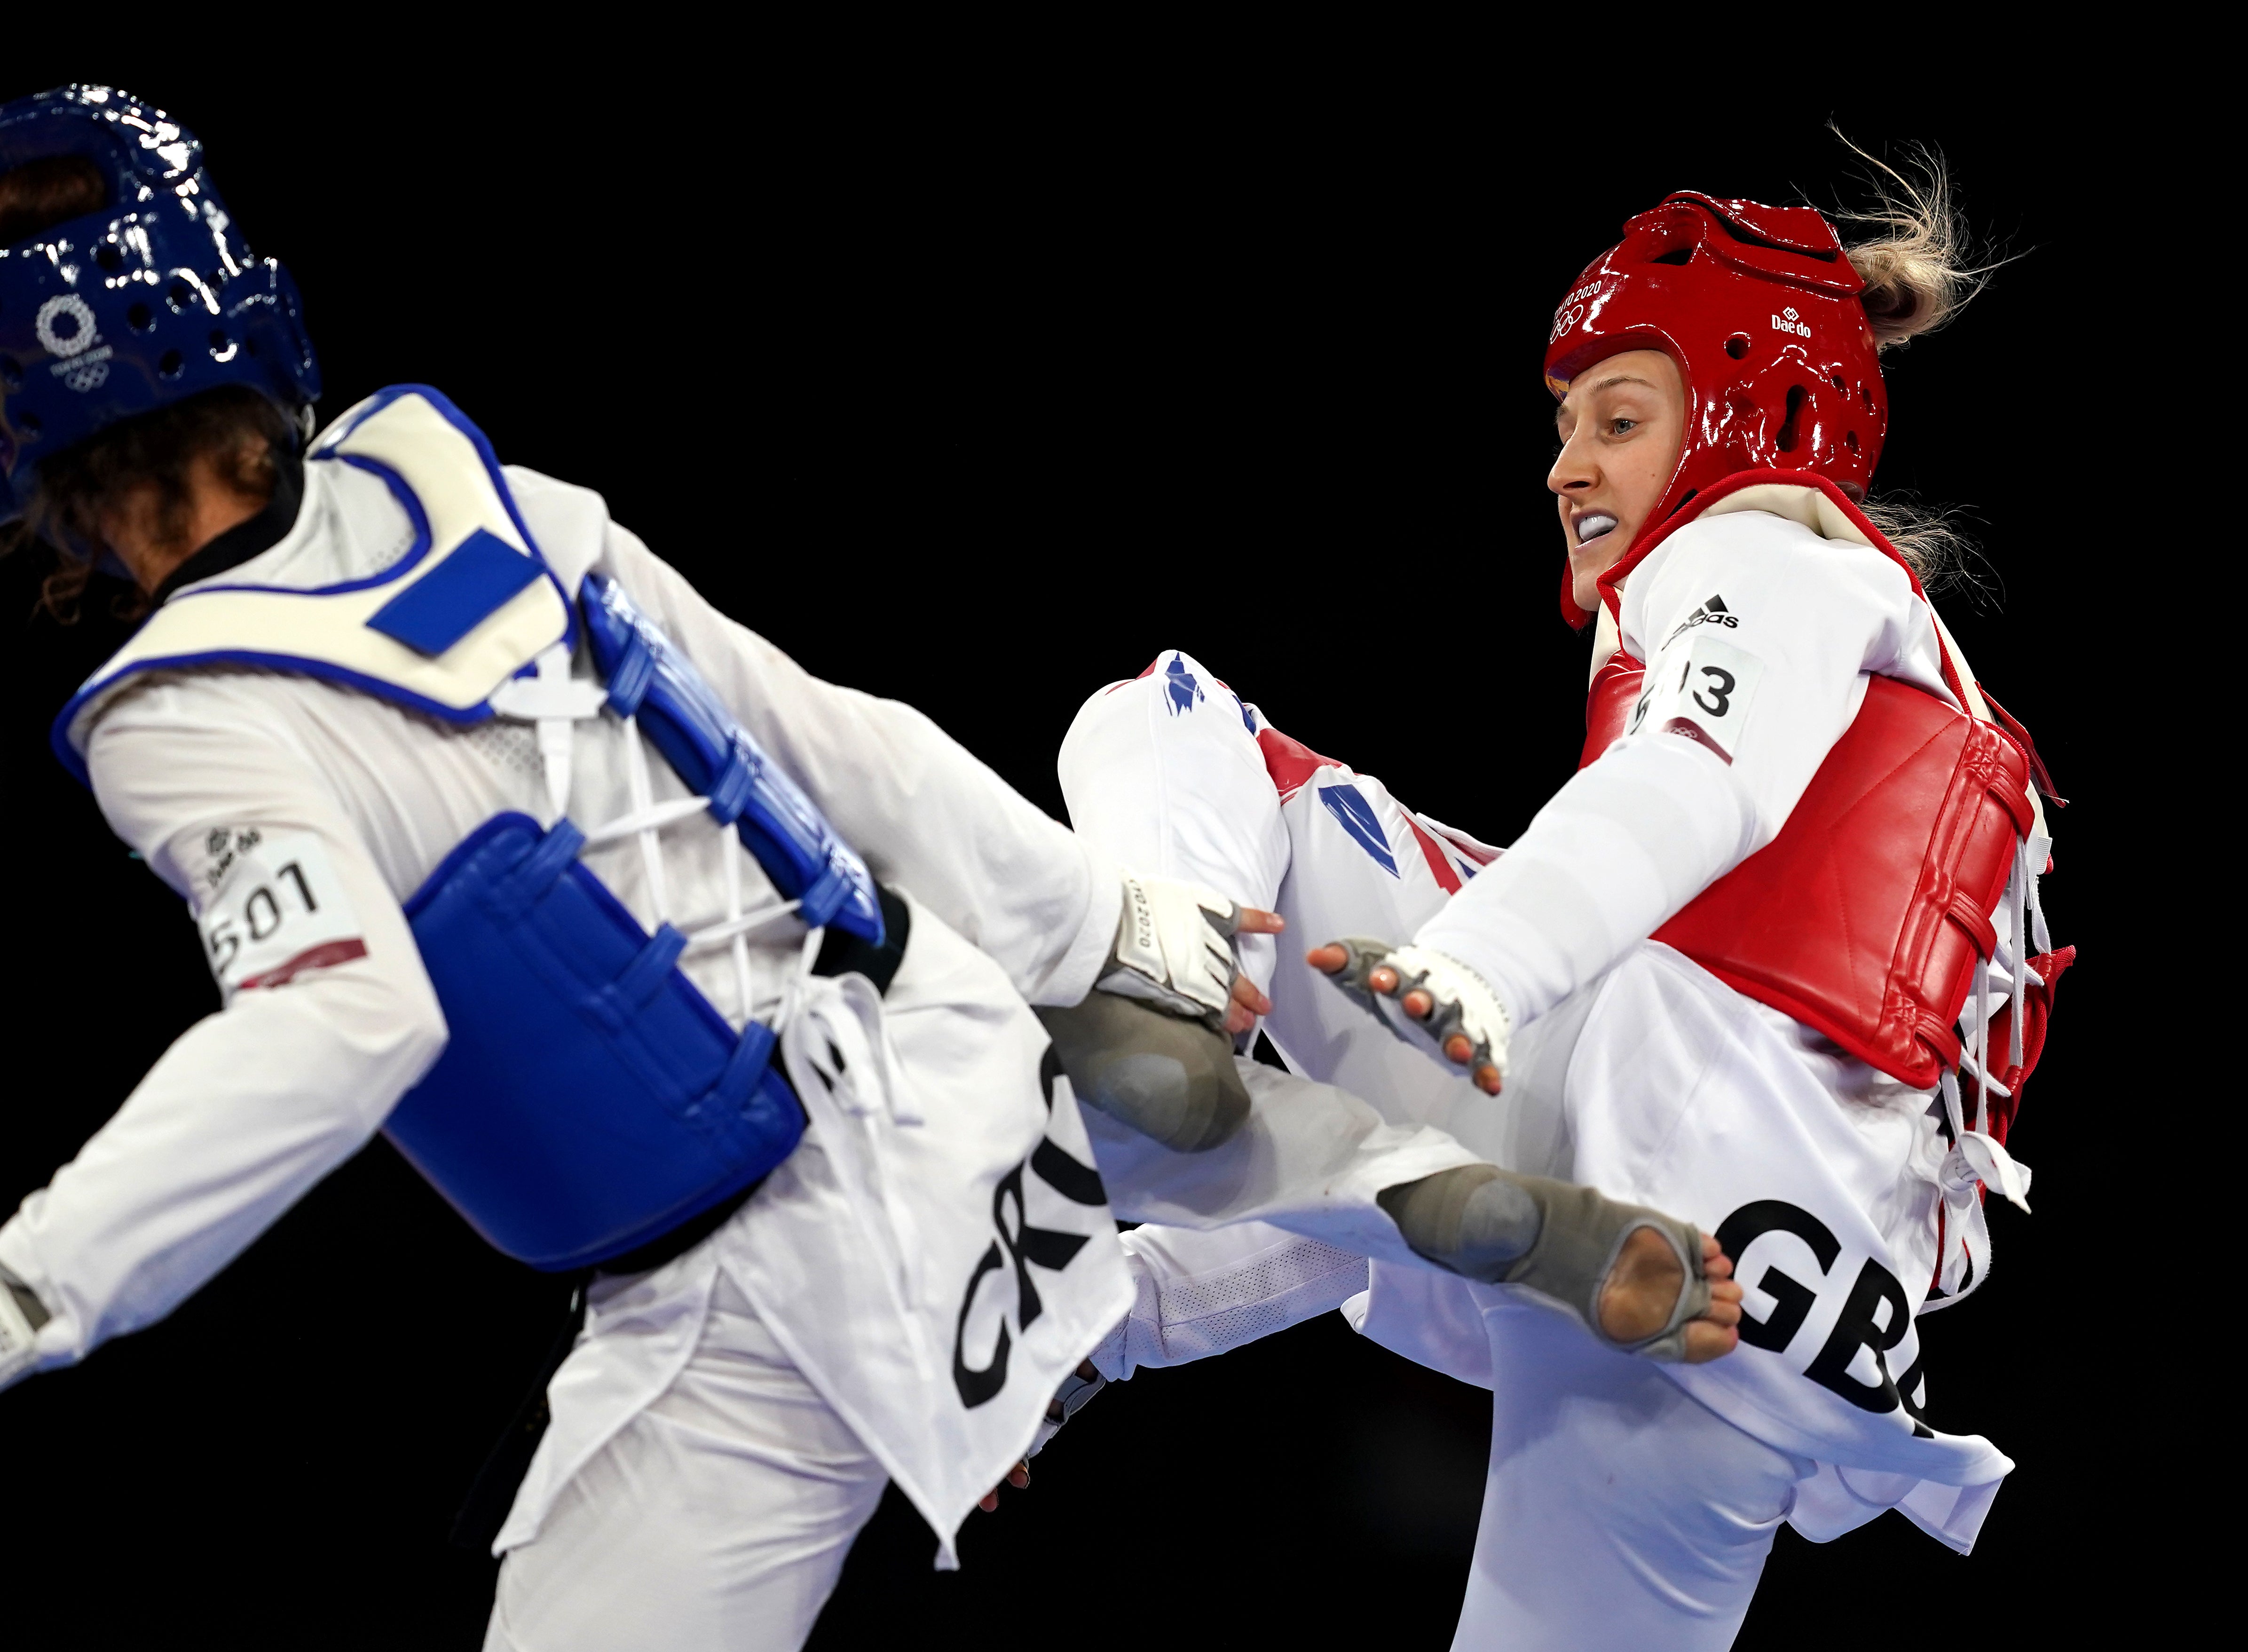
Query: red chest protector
[[1867, 916]]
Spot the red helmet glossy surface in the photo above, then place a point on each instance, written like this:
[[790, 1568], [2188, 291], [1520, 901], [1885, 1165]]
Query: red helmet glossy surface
[[1760, 308]]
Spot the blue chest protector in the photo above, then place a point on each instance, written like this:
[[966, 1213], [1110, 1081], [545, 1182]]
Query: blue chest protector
[[591, 1100]]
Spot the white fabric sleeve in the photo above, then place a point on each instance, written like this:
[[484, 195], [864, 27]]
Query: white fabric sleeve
[[1201, 1293], [252, 1105], [1179, 790], [1658, 818], [1432, 1318], [927, 816]]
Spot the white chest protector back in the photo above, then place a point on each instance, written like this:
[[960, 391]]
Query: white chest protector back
[[469, 606]]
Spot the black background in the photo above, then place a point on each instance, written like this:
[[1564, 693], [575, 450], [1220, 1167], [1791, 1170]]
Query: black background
[[979, 396]]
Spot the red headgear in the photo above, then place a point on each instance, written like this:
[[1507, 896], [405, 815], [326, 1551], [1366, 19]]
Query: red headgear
[[1760, 311]]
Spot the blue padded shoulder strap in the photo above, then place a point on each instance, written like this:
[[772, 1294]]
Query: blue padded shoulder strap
[[651, 680]]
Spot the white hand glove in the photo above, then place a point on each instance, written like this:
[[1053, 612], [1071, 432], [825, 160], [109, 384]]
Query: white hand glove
[[21, 1315], [1068, 1400], [1466, 1026], [1174, 949]]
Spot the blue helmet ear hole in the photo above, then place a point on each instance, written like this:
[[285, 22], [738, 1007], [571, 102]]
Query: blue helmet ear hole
[[169, 364], [108, 256], [138, 318], [179, 295]]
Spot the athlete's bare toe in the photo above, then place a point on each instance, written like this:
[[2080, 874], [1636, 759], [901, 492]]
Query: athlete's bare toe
[[1715, 1262], [1715, 1333], [1487, 1079], [1418, 1005], [1382, 979], [1705, 1341], [1724, 1307]]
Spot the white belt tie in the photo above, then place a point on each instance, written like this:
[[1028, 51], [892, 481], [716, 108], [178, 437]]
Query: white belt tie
[[838, 1054], [1977, 1160]]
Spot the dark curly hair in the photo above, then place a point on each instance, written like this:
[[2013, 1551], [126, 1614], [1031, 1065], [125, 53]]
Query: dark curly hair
[[233, 429]]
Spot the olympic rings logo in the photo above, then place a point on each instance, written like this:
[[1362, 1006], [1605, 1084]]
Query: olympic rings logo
[[71, 308]]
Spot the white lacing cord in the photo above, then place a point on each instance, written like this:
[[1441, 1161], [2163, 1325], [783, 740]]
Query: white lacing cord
[[1977, 1158], [2025, 924], [555, 703], [645, 822], [1964, 1262], [557, 734], [2022, 954], [2042, 936], [1983, 1043], [740, 948], [2011, 955], [1970, 1065]]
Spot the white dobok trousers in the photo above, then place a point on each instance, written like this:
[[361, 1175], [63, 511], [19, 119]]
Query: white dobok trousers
[[718, 1518]]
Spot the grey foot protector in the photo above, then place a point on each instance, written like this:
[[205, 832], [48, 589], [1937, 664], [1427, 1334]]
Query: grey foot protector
[[1164, 1076], [1553, 1238]]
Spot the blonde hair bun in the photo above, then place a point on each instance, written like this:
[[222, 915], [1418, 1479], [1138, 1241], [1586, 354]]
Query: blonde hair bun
[[1919, 266]]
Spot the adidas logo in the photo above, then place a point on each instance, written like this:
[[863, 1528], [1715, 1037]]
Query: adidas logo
[[1714, 611]]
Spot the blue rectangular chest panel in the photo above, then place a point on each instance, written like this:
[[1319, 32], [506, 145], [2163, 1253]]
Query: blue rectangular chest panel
[[458, 595], [1348, 804]]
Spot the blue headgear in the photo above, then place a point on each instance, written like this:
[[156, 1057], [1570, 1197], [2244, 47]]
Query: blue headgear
[[146, 302]]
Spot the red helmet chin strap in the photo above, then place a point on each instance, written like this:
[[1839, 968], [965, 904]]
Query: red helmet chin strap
[[1760, 308]]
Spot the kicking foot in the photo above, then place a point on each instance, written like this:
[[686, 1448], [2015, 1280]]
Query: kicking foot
[[1164, 1075], [1642, 1288], [1623, 1270]]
